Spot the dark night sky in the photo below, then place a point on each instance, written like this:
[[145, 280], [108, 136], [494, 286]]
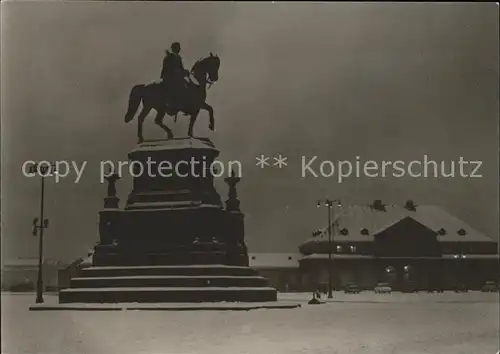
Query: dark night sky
[[379, 81]]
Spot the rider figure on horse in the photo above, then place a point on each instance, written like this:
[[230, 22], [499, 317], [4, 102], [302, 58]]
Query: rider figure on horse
[[173, 77]]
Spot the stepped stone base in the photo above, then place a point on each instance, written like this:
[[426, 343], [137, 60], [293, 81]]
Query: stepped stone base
[[163, 284]]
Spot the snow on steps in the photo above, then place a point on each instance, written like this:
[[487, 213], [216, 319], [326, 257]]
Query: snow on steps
[[168, 283], [167, 294], [168, 280]]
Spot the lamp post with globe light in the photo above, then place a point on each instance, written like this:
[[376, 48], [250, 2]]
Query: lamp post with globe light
[[329, 204]]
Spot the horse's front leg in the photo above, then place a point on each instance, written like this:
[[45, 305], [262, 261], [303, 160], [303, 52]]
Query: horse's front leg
[[141, 119], [210, 111], [159, 121], [194, 115]]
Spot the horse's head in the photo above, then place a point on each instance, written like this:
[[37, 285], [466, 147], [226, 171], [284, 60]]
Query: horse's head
[[213, 67], [208, 68]]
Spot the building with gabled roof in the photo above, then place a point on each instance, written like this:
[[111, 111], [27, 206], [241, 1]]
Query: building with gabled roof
[[419, 245]]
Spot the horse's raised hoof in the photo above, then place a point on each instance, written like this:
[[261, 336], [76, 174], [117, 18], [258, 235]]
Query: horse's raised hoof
[[128, 118]]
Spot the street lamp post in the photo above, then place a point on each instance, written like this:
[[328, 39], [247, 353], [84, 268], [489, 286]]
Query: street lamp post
[[460, 257], [44, 223], [460, 276], [329, 206]]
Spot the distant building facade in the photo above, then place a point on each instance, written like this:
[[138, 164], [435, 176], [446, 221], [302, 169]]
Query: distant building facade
[[407, 246], [281, 269], [21, 274]]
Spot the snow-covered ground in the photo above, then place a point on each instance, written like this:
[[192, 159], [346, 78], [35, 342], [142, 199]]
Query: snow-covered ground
[[395, 324]]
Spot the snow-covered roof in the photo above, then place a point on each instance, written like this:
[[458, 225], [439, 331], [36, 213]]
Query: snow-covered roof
[[362, 222], [274, 260], [324, 256]]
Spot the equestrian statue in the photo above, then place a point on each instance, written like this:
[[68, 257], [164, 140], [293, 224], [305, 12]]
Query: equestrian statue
[[179, 91]]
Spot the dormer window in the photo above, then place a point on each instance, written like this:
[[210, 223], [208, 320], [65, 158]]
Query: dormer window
[[364, 231], [344, 232], [461, 232], [378, 205], [442, 231], [410, 205]]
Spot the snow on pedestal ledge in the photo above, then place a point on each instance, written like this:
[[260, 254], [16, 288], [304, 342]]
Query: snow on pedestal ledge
[[175, 144]]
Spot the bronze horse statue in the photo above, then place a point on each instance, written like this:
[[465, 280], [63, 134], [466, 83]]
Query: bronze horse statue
[[205, 72]]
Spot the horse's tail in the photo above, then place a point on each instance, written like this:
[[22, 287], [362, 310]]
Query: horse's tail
[[134, 100]]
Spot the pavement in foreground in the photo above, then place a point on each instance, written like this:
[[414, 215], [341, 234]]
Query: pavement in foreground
[[365, 323]]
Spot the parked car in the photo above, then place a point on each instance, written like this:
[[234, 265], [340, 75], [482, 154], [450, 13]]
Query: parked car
[[352, 288], [435, 290], [383, 288], [489, 287]]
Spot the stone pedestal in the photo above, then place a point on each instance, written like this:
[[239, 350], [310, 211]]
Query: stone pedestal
[[179, 174], [175, 228]]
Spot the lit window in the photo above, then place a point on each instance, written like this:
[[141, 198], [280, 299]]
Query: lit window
[[339, 249], [352, 249]]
